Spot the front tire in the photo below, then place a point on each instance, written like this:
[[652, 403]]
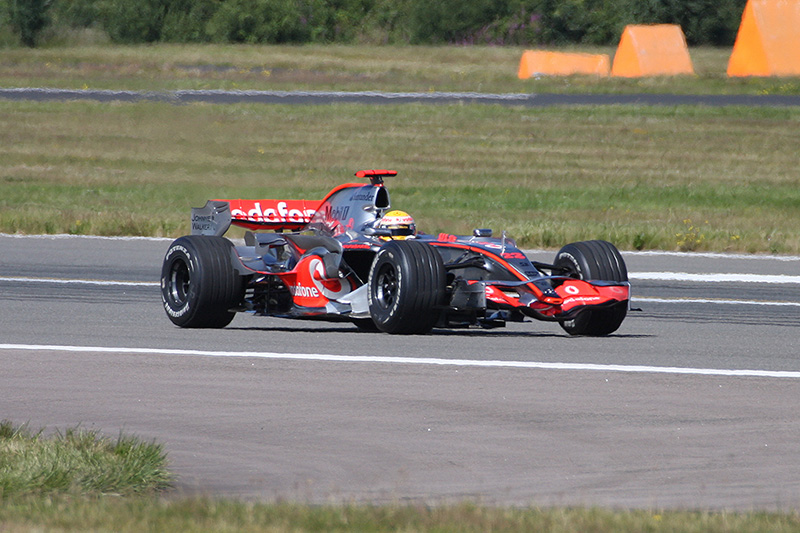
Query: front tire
[[199, 285], [590, 260], [406, 287]]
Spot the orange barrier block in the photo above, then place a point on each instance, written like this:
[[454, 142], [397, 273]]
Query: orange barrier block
[[652, 50], [768, 42], [535, 62]]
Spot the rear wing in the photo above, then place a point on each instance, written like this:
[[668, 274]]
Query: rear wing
[[216, 216], [278, 215]]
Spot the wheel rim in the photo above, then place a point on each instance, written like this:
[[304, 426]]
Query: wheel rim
[[574, 271], [386, 290], [179, 282]]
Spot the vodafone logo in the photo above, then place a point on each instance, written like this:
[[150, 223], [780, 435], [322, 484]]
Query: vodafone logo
[[280, 213], [303, 292], [571, 289]]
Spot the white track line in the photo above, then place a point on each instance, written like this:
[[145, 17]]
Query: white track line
[[705, 255], [62, 281], [650, 276], [412, 361], [636, 299], [60, 236], [711, 255], [714, 278]]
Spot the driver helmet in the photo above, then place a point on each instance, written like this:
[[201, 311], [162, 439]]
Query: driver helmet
[[400, 223]]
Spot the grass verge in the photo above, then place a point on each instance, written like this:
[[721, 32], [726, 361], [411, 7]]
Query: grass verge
[[77, 462], [200, 514], [491, 69], [73, 481], [686, 178]]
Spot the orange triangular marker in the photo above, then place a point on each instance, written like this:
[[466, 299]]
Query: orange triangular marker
[[652, 50], [768, 42], [535, 62]]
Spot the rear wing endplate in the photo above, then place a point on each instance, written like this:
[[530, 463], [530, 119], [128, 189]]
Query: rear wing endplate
[[212, 219]]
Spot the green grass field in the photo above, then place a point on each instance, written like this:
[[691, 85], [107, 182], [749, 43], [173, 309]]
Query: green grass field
[[688, 178], [134, 515]]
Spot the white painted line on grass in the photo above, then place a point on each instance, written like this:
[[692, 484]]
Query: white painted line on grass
[[413, 361], [178, 94], [714, 278]]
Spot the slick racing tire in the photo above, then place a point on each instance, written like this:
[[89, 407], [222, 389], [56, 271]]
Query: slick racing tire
[[406, 287], [199, 285], [598, 260]]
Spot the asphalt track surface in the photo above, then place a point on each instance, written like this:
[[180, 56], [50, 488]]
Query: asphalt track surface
[[379, 98], [692, 404]]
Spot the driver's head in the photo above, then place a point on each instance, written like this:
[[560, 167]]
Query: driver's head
[[399, 223]]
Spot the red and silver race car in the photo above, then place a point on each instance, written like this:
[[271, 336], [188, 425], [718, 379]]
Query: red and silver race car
[[350, 257]]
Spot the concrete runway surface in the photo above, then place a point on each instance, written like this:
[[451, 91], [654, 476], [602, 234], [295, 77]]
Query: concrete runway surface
[[692, 404]]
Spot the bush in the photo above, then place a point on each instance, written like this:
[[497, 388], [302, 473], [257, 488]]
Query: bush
[[76, 13], [451, 20], [501, 22], [582, 21], [703, 21], [132, 22], [185, 21], [28, 18], [259, 21]]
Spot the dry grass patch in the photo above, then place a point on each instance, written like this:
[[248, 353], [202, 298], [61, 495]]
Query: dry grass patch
[[199, 514], [490, 69], [77, 462], [632, 175]]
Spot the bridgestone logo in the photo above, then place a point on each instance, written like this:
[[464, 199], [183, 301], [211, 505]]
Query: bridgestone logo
[[177, 314], [177, 248]]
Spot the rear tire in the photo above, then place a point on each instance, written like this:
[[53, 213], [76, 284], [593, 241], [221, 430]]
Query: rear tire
[[199, 285], [594, 260], [406, 287]]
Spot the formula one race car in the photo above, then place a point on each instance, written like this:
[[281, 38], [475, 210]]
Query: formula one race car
[[348, 257]]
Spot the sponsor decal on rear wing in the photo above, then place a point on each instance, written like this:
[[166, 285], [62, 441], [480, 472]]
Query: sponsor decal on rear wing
[[272, 214], [280, 215]]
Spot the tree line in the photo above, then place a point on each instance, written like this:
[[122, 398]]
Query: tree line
[[492, 22]]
